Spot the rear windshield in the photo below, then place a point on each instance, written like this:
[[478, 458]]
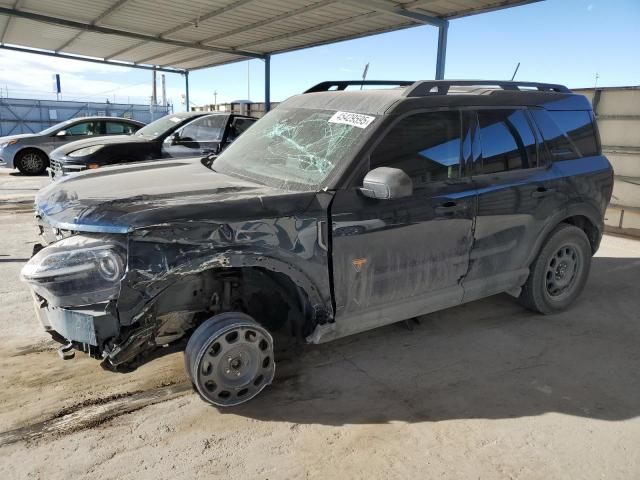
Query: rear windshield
[[295, 149]]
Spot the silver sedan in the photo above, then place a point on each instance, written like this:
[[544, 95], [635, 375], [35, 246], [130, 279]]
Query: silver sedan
[[29, 152]]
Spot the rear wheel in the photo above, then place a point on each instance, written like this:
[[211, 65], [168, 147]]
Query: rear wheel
[[559, 272], [230, 359], [32, 162]]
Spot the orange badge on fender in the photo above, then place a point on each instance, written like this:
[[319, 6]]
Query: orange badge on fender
[[358, 263]]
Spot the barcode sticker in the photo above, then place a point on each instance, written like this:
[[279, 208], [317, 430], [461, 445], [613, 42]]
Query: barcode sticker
[[353, 119]]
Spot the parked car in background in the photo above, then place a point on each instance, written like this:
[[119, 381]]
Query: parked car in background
[[30, 152], [338, 212], [186, 134]]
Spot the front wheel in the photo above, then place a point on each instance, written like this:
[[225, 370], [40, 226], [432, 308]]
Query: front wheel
[[559, 272], [230, 359], [32, 162]]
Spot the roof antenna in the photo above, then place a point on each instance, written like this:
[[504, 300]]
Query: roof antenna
[[515, 71], [364, 75]]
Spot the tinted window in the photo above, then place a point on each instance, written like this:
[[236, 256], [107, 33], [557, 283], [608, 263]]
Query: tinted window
[[205, 129], [567, 134], [84, 128], [119, 128], [507, 142], [579, 128], [239, 126], [425, 146]]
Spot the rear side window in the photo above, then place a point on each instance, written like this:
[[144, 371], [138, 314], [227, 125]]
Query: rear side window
[[507, 142], [567, 134], [120, 128], [426, 146]]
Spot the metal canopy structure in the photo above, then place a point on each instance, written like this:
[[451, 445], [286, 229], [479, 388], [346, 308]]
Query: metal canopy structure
[[184, 35]]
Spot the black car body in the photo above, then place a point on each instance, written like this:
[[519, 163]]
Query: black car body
[[336, 213], [186, 134]]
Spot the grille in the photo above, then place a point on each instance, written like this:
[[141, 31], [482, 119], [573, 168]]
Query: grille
[[56, 166], [60, 170]]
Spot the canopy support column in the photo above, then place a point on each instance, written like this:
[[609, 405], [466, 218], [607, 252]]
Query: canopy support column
[[186, 90], [267, 83], [442, 50]]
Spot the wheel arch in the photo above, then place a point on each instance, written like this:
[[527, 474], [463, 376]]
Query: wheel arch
[[291, 282], [27, 148], [582, 216]]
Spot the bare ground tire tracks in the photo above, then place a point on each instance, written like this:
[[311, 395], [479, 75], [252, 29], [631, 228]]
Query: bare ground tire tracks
[[91, 414]]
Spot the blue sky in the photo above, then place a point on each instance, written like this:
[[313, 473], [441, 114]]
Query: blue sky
[[560, 41]]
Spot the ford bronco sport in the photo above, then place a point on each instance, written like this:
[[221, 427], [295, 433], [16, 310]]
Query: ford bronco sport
[[338, 212]]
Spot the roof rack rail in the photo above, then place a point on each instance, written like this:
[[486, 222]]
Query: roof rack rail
[[342, 84], [441, 87]]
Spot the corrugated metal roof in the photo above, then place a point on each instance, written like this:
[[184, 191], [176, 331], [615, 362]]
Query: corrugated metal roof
[[191, 34]]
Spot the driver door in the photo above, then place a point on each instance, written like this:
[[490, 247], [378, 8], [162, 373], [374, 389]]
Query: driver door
[[397, 258], [196, 138]]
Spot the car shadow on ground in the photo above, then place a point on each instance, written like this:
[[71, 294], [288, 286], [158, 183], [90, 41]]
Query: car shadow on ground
[[487, 359]]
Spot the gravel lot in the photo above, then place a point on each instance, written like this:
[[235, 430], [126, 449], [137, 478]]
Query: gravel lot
[[486, 390]]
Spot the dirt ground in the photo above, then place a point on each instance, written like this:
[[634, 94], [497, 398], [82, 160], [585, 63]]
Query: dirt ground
[[486, 390]]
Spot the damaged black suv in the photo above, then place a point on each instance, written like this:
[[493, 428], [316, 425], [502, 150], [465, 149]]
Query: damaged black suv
[[338, 212]]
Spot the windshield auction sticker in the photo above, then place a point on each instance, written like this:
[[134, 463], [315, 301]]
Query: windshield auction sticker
[[353, 119]]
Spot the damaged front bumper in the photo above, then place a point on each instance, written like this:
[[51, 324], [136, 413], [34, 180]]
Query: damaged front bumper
[[86, 328]]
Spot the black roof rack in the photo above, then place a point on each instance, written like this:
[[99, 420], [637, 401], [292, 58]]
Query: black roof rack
[[342, 84], [441, 87]]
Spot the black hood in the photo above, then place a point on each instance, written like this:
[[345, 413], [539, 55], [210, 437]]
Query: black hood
[[123, 198], [90, 142]]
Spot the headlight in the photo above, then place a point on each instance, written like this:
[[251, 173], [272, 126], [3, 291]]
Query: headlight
[[6, 144], [83, 152], [78, 270]]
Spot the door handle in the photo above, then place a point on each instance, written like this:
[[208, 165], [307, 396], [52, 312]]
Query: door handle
[[542, 192], [450, 207]]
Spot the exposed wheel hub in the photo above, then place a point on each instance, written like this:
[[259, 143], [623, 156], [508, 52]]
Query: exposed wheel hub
[[233, 363], [561, 270]]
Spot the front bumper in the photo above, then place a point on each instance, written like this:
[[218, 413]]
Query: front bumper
[[85, 327], [60, 169]]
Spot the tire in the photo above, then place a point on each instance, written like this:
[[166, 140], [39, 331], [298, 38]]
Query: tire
[[32, 162], [559, 272], [229, 359]]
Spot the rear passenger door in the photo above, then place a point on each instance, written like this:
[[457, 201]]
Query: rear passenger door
[[515, 200]]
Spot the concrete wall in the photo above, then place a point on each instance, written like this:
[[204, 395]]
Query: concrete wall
[[618, 112]]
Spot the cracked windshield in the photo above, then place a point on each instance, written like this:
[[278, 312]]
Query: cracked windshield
[[295, 149]]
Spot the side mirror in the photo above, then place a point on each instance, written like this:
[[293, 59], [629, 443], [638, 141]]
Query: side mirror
[[386, 183], [61, 133], [175, 138]]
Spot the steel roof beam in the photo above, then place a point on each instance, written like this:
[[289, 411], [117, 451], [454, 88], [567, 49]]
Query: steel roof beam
[[49, 53], [304, 31], [16, 4], [392, 8], [123, 33], [96, 21], [269, 21], [207, 16]]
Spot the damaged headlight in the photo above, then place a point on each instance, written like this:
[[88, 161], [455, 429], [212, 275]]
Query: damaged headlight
[[79, 270]]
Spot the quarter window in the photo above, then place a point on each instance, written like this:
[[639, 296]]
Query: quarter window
[[425, 146], [507, 142], [567, 134], [119, 128]]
